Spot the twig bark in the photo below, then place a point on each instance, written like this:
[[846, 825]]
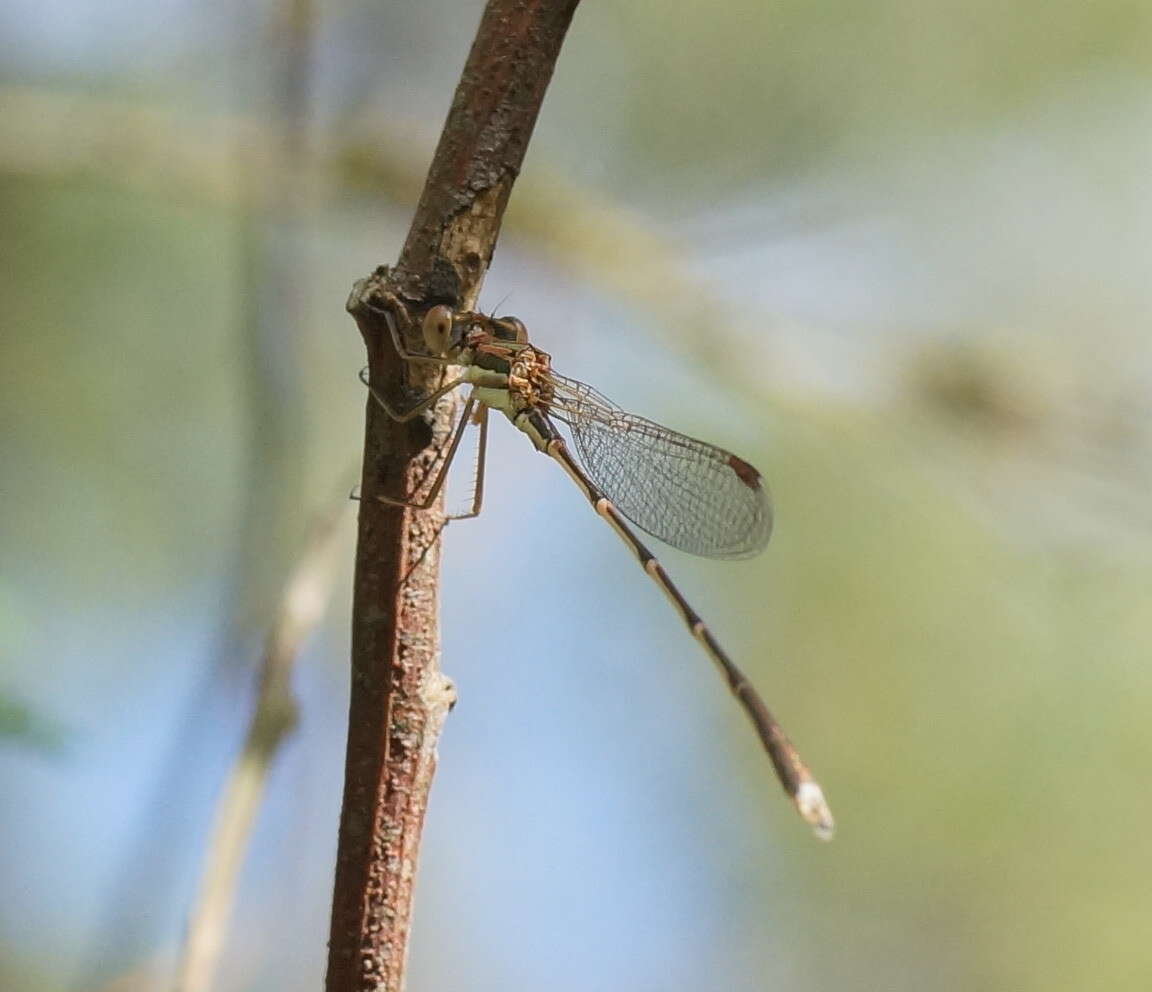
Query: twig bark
[[399, 698]]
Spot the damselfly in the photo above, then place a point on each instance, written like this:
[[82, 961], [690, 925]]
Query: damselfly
[[688, 493]]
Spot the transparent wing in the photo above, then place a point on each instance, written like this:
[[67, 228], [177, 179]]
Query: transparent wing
[[688, 493]]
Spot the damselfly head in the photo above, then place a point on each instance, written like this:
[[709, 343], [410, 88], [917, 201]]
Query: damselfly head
[[442, 332]]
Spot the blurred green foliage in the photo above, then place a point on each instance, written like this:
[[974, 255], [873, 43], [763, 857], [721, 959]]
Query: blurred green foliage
[[118, 384], [708, 99], [20, 725], [980, 705]]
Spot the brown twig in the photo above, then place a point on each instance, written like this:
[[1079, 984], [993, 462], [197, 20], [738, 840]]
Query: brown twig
[[399, 698]]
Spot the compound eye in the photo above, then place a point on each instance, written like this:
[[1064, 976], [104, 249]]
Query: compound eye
[[437, 329], [516, 326]]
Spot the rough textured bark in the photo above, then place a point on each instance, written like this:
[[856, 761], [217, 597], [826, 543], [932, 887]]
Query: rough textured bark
[[399, 698]]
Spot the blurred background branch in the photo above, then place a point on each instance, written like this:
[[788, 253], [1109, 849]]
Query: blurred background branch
[[274, 715], [270, 180], [598, 240]]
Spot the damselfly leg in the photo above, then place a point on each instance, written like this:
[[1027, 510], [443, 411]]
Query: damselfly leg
[[471, 414]]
